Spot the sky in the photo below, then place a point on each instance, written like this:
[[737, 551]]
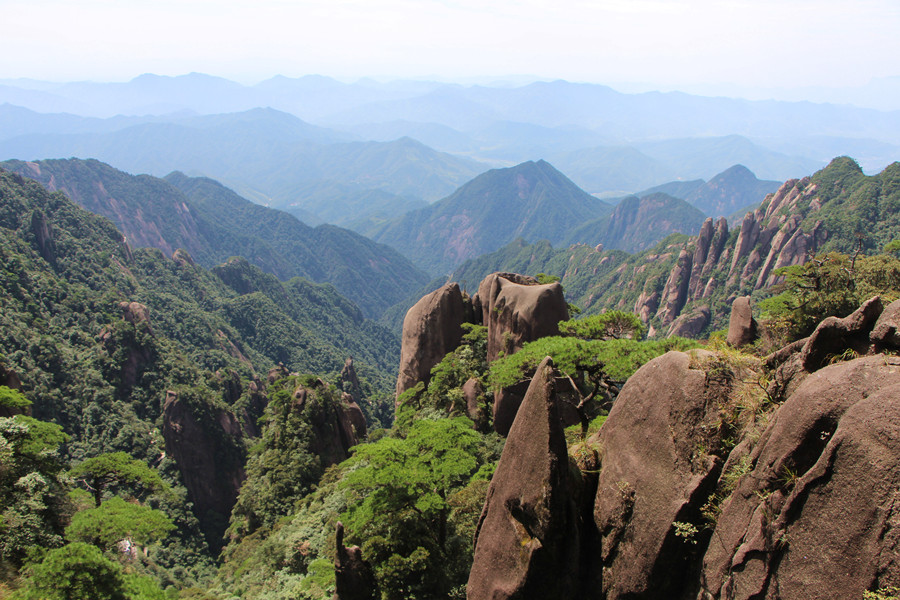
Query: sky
[[664, 43]]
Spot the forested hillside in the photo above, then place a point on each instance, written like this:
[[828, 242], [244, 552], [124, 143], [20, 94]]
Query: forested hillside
[[126, 350], [213, 223]]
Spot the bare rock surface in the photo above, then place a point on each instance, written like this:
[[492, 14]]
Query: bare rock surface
[[516, 313], [819, 513], [742, 327], [209, 468], [691, 324], [527, 541], [835, 335], [353, 578], [886, 333], [431, 329], [661, 460]]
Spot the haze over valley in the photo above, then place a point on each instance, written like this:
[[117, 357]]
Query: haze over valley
[[433, 300]]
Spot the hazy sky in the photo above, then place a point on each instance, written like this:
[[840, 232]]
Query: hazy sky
[[769, 43]]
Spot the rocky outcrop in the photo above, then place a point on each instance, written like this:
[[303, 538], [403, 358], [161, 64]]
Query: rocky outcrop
[[350, 381], [886, 333], [675, 293], [431, 329], [136, 313], [353, 578], [662, 455], [528, 539], [834, 335], [822, 496], [742, 327], [206, 445], [516, 313], [690, 325], [337, 426], [43, 236], [477, 407]]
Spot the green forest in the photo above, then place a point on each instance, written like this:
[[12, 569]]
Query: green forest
[[126, 375]]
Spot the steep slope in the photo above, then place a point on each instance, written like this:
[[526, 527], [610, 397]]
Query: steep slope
[[838, 208], [532, 200], [213, 223], [112, 342], [734, 189], [639, 223]]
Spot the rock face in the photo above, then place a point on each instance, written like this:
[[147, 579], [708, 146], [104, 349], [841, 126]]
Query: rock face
[[695, 502], [208, 451], [353, 579], [515, 313], [527, 543], [691, 324], [336, 427], [886, 333], [654, 474], [431, 329], [821, 498], [742, 327], [43, 236]]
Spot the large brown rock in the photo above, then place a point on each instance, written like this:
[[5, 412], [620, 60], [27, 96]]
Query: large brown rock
[[817, 515], [675, 293], [886, 333], [516, 313], [662, 455], [208, 450], [690, 325], [431, 329], [336, 426], [742, 327], [835, 335], [527, 542], [353, 578]]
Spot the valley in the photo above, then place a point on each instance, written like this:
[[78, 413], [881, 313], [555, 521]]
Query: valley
[[412, 340]]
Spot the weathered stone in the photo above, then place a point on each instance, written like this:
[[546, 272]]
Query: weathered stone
[[517, 313], [690, 325], [350, 381], [43, 236], [353, 578], [527, 542], [476, 405], [204, 451], [833, 335], [701, 251], [742, 327], [183, 258], [886, 333], [431, 329], [646, 305], [675, 292], [660, 465], [821, 497], [136, 313]]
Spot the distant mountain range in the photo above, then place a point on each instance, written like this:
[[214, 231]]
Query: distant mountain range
[[268, 156], [574, 126], [213, 223]]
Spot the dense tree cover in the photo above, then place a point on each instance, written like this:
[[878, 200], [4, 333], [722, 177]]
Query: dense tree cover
[[831, 284], [116, 520], [213, 223], [33, 503], [410, 502], [97, 372], [284, 465]]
